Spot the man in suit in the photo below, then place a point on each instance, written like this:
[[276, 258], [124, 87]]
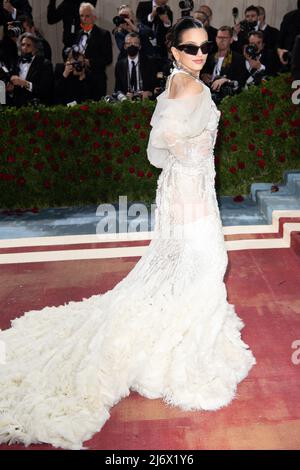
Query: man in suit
[[289, 30], [159, 17], [29, 27], [266, 62], [271, 35], [242, 29], [33, 77], [10, 10], [135, 74], [67, 12], [96, 45], [225, 65], [211, 31]]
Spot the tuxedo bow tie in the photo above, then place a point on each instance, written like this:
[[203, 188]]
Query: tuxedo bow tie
[[25, 60]]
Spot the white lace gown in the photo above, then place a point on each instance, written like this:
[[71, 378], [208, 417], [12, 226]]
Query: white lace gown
[[165, 331]]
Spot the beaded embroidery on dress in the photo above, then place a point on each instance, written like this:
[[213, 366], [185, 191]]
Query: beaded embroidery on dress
[[166, 330]]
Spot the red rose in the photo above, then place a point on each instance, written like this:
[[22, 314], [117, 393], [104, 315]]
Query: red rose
[[238, 198], [97, 172], [226, 123], [233, 170], [137, 126], [126, 153], [75, 133], [281, 158], [269, 132], [141, 174], [264, 91], [39, 166], [21, 181], [234, 148], [136, 149], [11, 159], [261, 164], [96, 145], [266, 113], [260, 153], [58, 124], [48, 147], [45, 122], [233, 109], [84, 107], [149, 174], [271, 107], [143, 135], [110, 135], [108, 170], [20, 150], [283, 135], [47, 184], [279, 122], [96, 160], [40, 133], [241, 165], [117, 121], [251, 147], [131, 170], [32, 141]]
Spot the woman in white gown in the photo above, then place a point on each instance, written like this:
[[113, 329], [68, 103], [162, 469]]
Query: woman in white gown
[[166, 330]]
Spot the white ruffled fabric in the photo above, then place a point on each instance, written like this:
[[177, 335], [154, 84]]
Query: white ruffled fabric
[[165, 331]]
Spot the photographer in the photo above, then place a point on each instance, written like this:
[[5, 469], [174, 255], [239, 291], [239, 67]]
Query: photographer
[[71, 82], [260, 61], [271, 35], [159, 17], [225, 71], [125, 23], [10, 10], [96, 45], [211, 31], [289, 30], [68, 13], [32, 80], [242, 29], [28, 26], [136, 74]]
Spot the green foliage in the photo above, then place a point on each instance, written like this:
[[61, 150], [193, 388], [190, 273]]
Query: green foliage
[[259, 137], [96, 152]]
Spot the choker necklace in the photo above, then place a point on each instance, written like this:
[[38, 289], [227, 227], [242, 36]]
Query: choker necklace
[[183, 69]]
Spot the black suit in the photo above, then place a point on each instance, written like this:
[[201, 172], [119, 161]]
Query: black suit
[[236, 70], [23, 8], [99, 52], [270, 60], [143, 11], [212, 34], [67, 12], [271, 37], [69, 89], [147, 68], [40, 74], [290, 28]]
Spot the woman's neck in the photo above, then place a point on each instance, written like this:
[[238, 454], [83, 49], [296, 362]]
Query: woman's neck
[[192, 73]]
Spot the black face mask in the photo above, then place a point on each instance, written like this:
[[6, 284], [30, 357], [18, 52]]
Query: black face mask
[[132, 50]]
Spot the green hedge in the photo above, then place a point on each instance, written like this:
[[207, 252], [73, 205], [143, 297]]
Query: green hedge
[[96, 152]]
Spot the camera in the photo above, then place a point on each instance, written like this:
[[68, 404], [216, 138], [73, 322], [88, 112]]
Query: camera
[[162, 10], [15, 29], [186, 6], [116, 97], [227, 89], [247, 26], [287, 57], [119, 20], [75, 53], [252, 51]]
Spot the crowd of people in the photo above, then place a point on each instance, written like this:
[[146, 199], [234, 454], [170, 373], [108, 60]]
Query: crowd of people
[[239, 56]]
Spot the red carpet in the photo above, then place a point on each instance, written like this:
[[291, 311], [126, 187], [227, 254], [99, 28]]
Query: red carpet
[[263, 284]]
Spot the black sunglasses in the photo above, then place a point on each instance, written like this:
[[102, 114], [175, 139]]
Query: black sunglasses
[[191, 49]]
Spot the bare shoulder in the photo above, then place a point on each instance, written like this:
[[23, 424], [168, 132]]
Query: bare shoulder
[[183, 86]]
